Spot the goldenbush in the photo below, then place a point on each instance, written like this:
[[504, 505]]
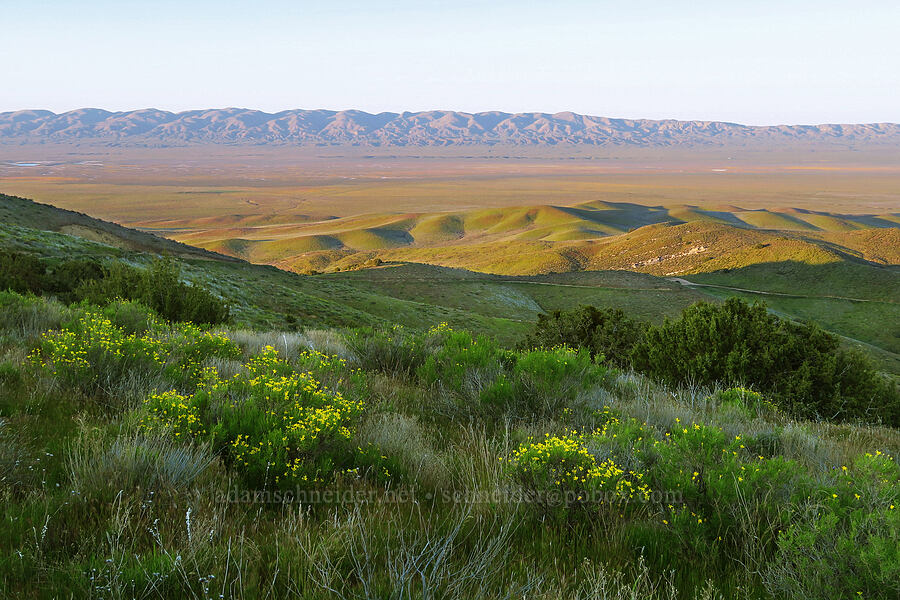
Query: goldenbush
[[273, 424], [799, 366], [563, 471], [92, 354], [608, 333], [827, 557]]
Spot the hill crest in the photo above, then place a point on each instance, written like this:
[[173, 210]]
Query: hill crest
[[151, 127]]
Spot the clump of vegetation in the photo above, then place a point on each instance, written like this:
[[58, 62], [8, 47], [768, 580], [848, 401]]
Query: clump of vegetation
[[276, 425], [449, 466], [563, 471], [844, 543], [607, 333], [92, 354], [25, 273], [159, 286], [485, 380], [800, 367]]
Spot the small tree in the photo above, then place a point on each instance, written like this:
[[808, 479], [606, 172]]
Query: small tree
[[800, 366]]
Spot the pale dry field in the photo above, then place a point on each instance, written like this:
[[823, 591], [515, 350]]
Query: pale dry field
[[174, 187]]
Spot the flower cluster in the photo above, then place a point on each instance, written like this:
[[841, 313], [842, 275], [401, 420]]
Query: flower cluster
[[93, 347], [275, 424], [565, 463]]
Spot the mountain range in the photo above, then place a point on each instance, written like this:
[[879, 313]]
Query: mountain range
[[151, 127]]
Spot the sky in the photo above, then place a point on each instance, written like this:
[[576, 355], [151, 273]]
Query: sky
[[761, 62]]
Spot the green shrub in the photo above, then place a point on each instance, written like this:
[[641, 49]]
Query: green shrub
[[608, 333], [92, 354], [393, 352], [26, 317], [464, 364], [563, 471], [827, 557], [276, 426], [25, 273], [544, 384], [131, 316], [20, 272], [159, 287], [800, 367], [482, 380]]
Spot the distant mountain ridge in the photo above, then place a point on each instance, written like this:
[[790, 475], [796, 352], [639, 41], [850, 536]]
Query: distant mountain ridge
[[151, 127]]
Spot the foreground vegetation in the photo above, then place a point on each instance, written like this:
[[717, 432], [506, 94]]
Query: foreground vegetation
[[145, 458], [196, 427]]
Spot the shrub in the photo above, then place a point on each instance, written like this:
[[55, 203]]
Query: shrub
[[608, 333], [393, 352], [824, 556], [274, 425], [131, 316], [464, 364], [26, 317], [25, 273], [800, 367], [93, 354], [544, 384], [20, 272], [562, 470], [159, 287]]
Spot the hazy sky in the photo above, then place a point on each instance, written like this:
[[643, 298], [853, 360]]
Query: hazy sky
[[759, 62]]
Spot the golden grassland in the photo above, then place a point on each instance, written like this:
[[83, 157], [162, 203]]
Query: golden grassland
[[514, 215]]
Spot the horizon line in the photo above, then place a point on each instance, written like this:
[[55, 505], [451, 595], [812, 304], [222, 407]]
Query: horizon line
[[437, 110]]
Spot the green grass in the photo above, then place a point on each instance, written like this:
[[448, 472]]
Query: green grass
[[105, 505]]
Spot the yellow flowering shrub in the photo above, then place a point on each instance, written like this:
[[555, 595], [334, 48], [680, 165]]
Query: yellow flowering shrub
[[563, 468], [275, 424], [92, 350]]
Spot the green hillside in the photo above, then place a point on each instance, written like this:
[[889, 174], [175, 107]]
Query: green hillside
[[373, 432], [418, 295]]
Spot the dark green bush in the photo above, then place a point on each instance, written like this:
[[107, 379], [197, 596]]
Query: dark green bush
[[605, 332], [25, 273], [161, 288], [20, 272], [800, 367]]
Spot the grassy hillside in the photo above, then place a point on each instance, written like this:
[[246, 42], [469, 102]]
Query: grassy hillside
[[181, 463], [346, 437], [556, 238], [417, 295]]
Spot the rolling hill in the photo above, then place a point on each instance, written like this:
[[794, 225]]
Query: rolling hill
[[816, 280], [531, 240]]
